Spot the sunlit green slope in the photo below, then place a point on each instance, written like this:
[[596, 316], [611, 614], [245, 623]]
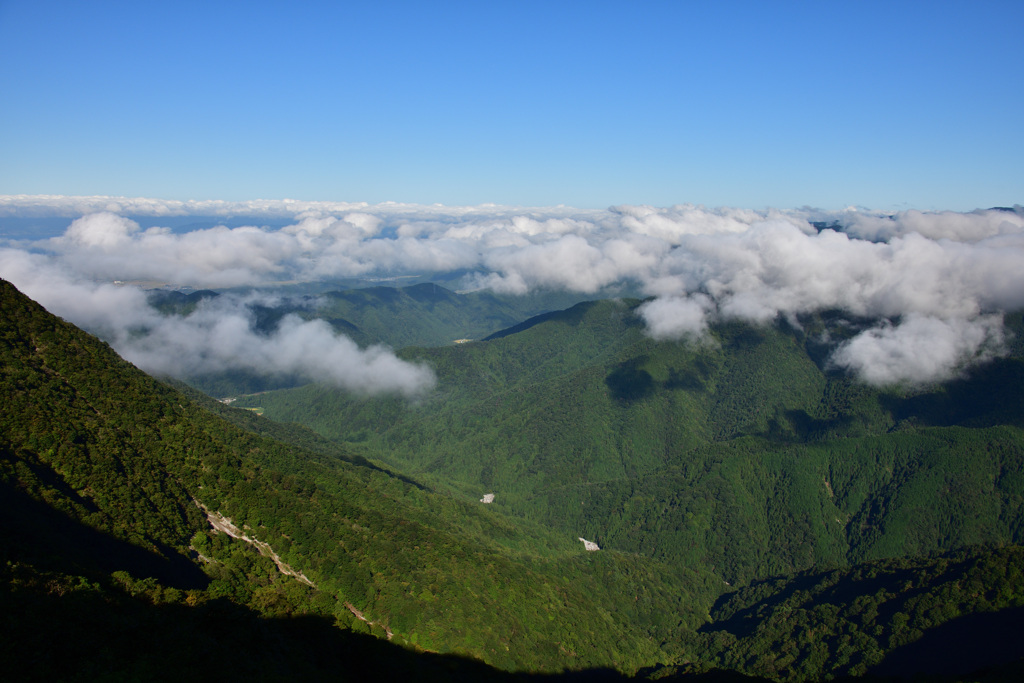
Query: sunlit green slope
[[113, 463], [109, 568], [745, 455], [428, 314], [424, 314]]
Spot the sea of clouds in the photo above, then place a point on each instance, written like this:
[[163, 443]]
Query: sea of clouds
[[938, 283]]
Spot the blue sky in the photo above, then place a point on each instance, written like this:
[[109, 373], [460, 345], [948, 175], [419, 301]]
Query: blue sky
[[747, 104]]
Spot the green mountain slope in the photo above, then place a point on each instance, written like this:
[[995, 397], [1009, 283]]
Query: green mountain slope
[[109, 567], [424, 314], [428, 314], [110, 451], [746, 454]]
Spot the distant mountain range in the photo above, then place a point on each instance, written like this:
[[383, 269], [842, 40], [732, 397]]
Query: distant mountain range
[[423, 314]]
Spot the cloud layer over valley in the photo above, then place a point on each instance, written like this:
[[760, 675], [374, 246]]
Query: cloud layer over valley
[[219, 335], [937, 283]]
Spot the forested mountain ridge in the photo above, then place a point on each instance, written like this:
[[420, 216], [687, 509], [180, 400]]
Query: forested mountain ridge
[[108, 452], [424, 314], [102, 541], [747, 452], [428, 314]]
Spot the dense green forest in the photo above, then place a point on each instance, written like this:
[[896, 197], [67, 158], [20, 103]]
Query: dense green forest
[[111, 451], [758, 514], [746, 455]]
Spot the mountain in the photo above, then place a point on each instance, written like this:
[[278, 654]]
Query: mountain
[[111, 479], [427, 314], [746, 453], [423, 314], [344, 562]]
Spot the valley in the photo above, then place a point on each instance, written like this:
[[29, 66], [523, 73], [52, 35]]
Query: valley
[[743, 454]]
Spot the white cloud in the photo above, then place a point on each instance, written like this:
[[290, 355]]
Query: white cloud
[[218, 336], [103, 231], [775, 269], [677, 317], [673, 223], [701, 264], [966, 227], [568, 262], [921, 349], [107, 246]]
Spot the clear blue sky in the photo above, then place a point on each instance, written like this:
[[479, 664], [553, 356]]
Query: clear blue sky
[[886, 105]]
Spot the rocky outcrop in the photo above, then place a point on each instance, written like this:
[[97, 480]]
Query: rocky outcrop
[[224, 524]]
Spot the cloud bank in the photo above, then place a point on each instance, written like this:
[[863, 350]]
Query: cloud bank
[[219, 335], [938, 282]]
